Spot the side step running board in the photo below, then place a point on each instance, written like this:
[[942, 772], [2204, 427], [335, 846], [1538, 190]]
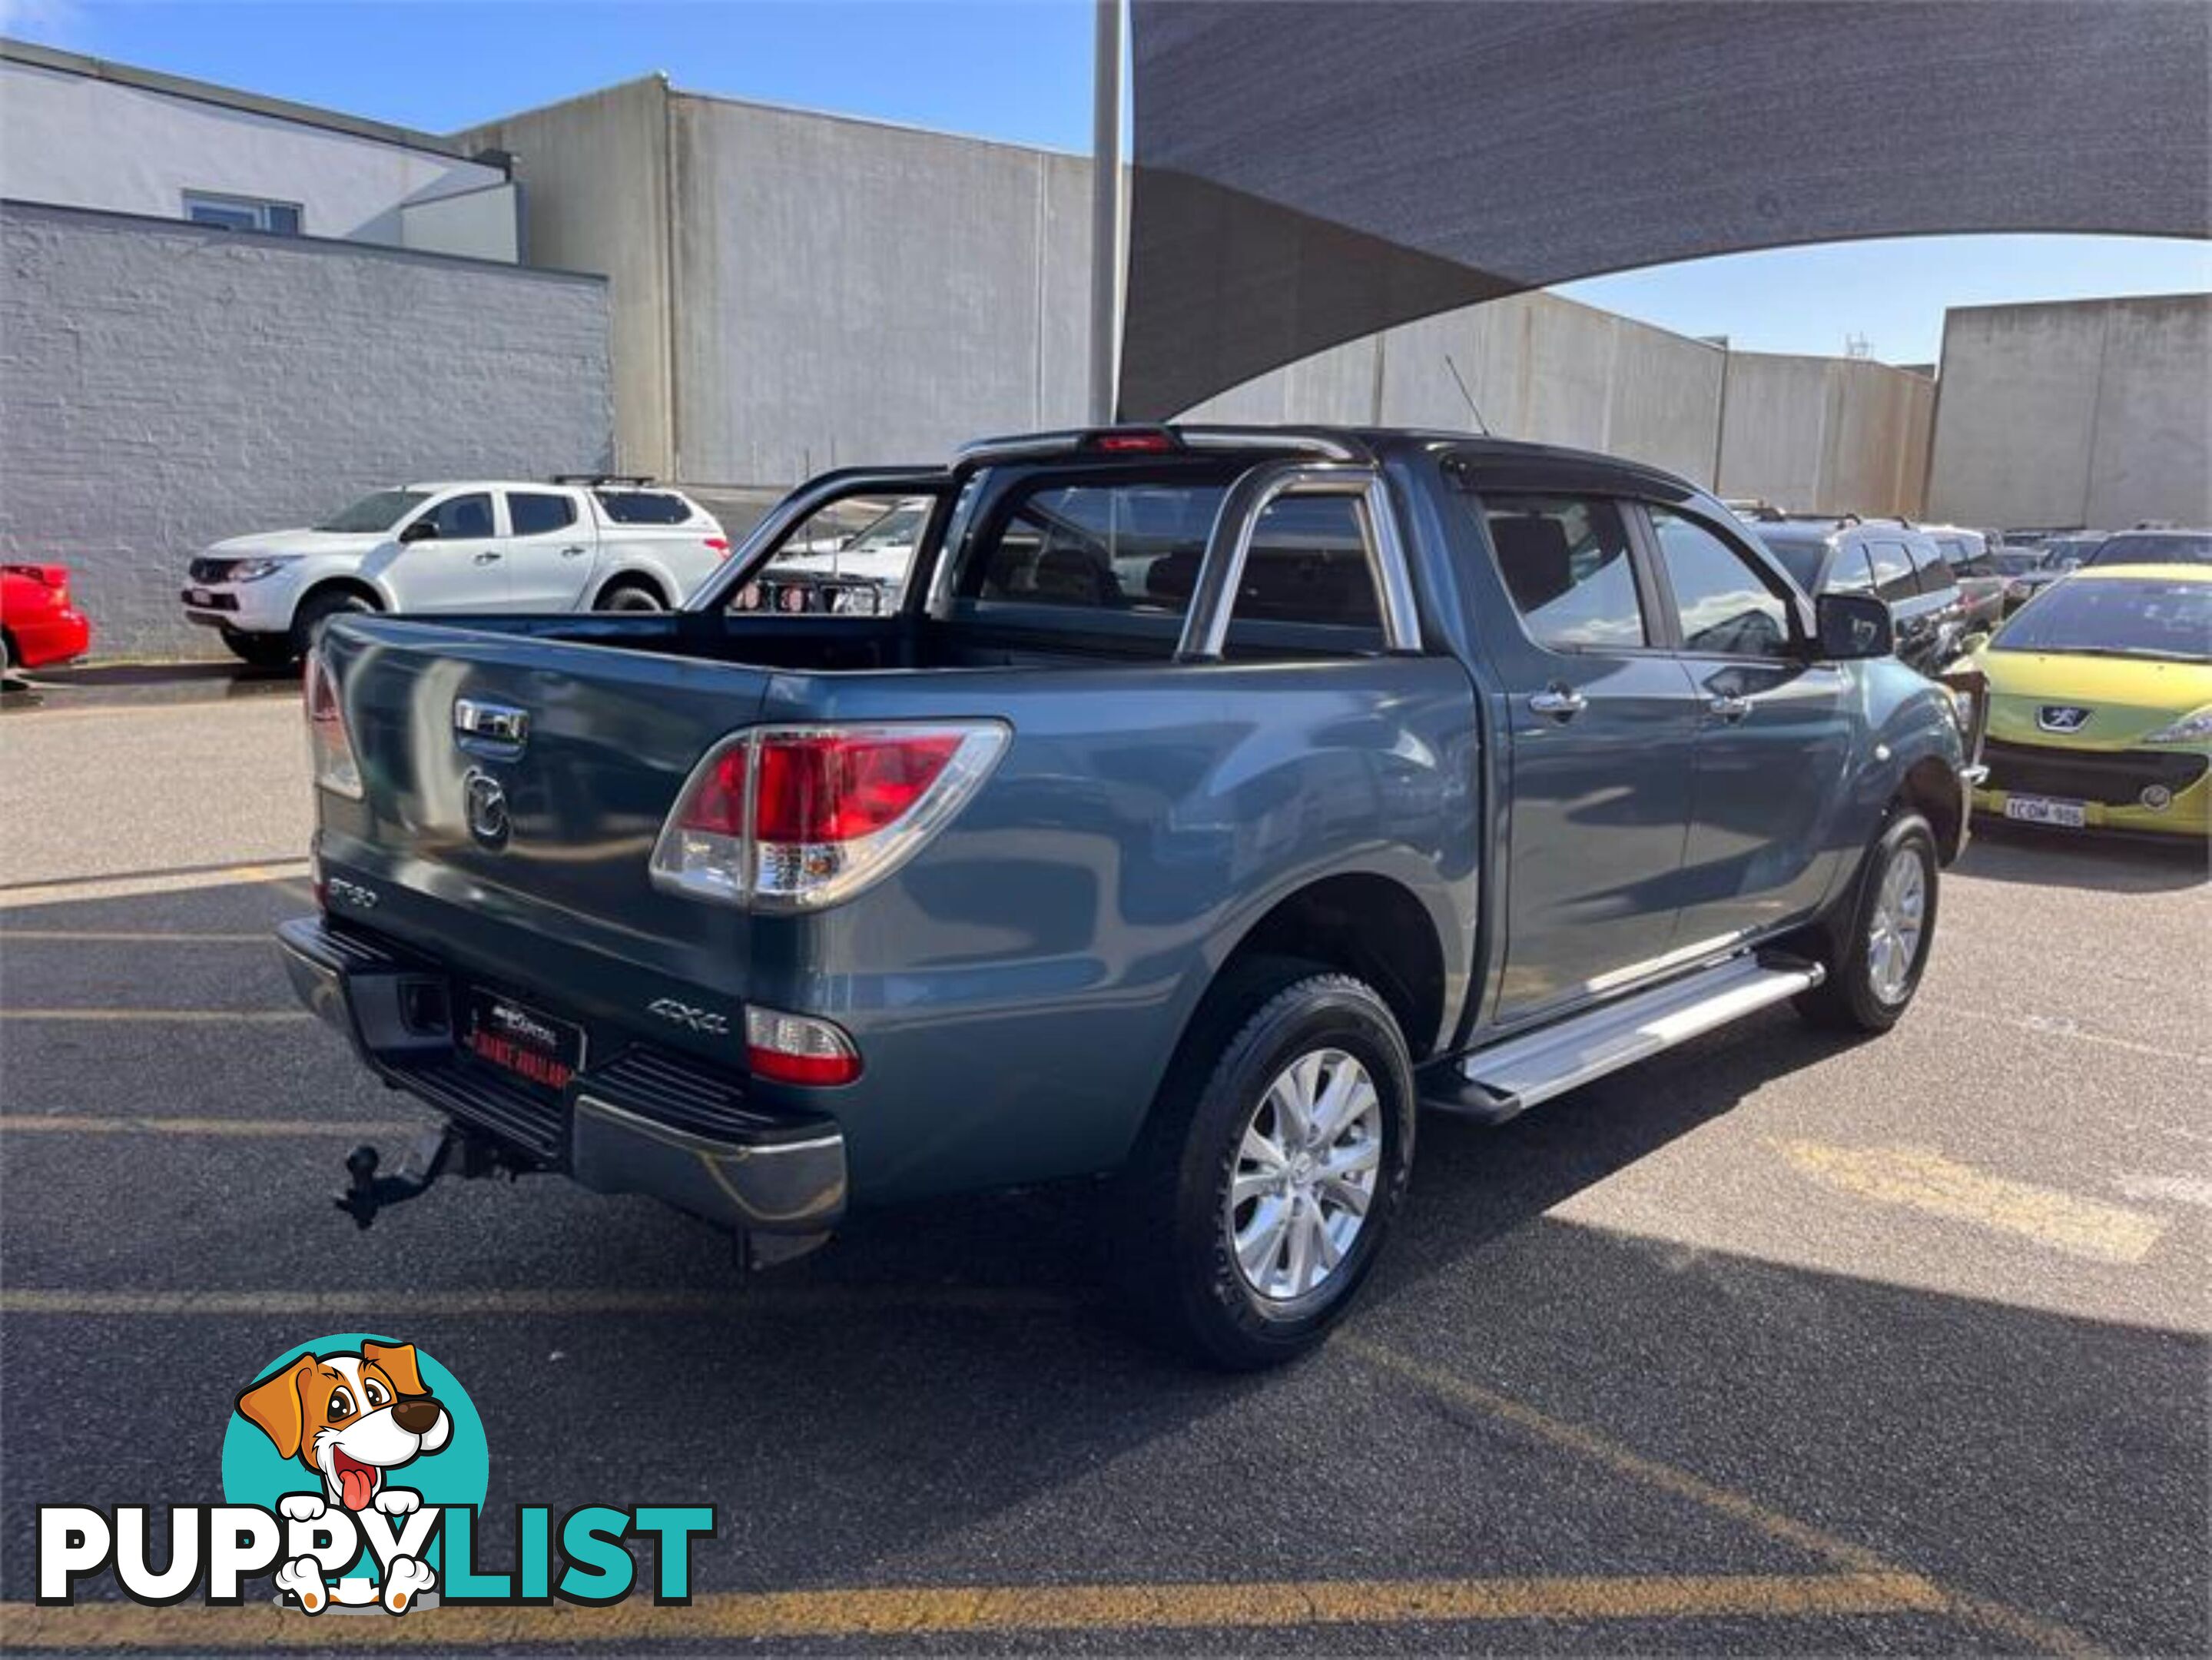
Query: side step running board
[[1495, 1082]]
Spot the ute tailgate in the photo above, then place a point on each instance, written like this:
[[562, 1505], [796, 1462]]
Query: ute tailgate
[[607, 739]]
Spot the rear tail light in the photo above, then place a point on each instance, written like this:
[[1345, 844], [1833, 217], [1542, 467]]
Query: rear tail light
[[330, 750], [798, 817], [797, 1049], [721, 545]]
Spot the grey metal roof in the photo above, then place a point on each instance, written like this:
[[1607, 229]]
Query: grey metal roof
[[251, 103]]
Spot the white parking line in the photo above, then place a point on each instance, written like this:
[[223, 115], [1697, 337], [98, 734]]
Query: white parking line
[[278, 870]]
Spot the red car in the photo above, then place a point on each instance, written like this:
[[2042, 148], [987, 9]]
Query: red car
[[38, 624]]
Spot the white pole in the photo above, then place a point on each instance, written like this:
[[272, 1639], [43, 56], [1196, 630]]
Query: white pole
[[1105, 209]]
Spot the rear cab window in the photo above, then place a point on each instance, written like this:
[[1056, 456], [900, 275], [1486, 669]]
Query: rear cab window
[[1121, 555]]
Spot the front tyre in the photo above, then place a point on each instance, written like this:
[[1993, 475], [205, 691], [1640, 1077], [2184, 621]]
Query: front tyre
[[318, 608], [1877, 954], [260, 651], [1274, 1163]]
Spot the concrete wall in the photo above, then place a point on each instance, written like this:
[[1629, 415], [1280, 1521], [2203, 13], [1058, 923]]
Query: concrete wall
[[1825, 434], [1535, 367], [2094, 412], [848, 291], [163, 385], [80, 141], [1817, 433], [825, 290], [595, 194]]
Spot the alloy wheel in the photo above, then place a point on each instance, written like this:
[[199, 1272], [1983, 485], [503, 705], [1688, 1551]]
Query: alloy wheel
[[1305, 1173]]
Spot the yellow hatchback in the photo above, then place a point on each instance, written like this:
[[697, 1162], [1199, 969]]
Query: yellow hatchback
[[2100, 703]]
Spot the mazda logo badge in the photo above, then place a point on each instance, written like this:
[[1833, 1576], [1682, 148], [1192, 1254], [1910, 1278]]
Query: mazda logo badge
[[489, 822], [2062, 717]]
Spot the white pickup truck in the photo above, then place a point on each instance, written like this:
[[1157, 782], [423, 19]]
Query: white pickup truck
[[576, 544]]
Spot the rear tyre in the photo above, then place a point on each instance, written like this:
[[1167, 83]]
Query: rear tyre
[[260, 651], [629, 596], [336, 602], [1275, 1160], [1876, 950]]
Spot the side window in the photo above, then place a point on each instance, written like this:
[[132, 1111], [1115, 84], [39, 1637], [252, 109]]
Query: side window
[[463, 518], [1850, 573], [536, 513], [1927, 566], [1726, 606], [637, 507], [853, 557], [1565, 562], [1892, 571]]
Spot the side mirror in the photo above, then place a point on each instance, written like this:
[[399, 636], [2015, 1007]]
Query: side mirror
[[1853, 626], [423, 530]]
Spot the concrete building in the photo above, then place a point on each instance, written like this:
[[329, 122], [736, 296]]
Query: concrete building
[[169, 385], [78, 132], [793, 291], [2095, 413]]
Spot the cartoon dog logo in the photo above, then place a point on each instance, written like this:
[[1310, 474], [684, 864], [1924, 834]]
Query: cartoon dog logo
[[350, 1418]]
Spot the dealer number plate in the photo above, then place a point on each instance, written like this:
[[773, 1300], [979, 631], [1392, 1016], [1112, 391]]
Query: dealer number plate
[[534, 1046], [2042, 810]]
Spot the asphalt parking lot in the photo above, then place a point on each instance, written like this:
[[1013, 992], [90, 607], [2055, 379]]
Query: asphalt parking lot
[[1777, 1343]]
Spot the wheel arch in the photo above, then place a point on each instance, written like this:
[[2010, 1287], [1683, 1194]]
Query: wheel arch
[[1931, 786], [1370, 925], [634, 576], [360, 586]]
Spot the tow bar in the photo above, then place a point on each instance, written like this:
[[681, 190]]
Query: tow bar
[[367, 1193]]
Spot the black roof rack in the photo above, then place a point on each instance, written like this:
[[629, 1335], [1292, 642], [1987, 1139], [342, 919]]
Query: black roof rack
[[593, 479]]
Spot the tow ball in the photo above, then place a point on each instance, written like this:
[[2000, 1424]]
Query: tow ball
[[367, 1193]]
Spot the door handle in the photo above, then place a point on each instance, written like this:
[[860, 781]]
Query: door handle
[[1725, 707], [1560, 701], [571, 553], [486, 558]]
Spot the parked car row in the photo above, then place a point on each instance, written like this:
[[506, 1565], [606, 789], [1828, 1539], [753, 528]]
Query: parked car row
[[1900, 564], [573, 544], [2144, 546]]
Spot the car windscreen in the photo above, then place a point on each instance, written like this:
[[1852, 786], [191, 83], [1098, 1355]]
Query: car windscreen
[[379, 511], [2122, 616], [2150, 548], [1800, 556]]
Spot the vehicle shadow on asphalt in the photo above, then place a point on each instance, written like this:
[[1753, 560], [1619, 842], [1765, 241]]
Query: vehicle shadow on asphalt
[[2097, 864], [900, 1435]]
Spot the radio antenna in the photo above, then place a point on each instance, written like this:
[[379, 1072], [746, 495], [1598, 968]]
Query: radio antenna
[[1480, 425]]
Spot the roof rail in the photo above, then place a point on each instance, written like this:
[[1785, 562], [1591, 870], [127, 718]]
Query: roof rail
[[592, 479]]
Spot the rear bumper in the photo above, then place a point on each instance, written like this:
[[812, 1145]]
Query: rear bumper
[[54, 636], [645, 1121]]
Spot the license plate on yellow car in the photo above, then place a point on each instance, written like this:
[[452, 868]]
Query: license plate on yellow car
[[2042, 810]]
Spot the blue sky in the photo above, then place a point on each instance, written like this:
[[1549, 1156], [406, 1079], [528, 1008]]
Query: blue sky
[[1016, 69]]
